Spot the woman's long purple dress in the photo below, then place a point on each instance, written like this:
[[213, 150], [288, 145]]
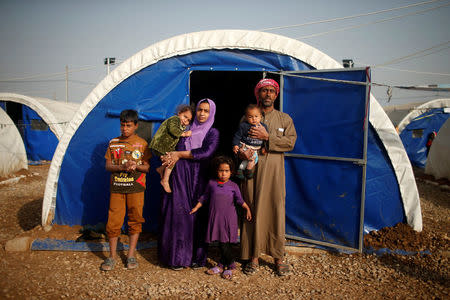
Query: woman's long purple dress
[[181, 235]]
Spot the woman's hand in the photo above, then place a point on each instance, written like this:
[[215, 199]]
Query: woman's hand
[[170, 159]]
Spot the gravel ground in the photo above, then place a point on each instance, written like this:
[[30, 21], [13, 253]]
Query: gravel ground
[[316, 274]]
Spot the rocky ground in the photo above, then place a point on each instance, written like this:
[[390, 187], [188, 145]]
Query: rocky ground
[[317, 274]]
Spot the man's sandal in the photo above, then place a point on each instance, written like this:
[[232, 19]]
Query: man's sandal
[[227, 274], [251, 268], [108, 264], [214, 271], [283, 269], [132, 263]]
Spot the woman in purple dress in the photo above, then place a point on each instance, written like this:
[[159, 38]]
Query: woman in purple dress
[[181, 240]]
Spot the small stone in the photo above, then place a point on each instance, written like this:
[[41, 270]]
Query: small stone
[[18, 244]]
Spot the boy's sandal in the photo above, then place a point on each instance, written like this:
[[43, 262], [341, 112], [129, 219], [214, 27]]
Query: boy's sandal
[[227, 274], [251, 268], [283, 269], [214, 271], [108, 264], [132, 263]]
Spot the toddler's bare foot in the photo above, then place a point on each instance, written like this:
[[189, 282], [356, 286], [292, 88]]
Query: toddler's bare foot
[[166, 186], [160, 171]]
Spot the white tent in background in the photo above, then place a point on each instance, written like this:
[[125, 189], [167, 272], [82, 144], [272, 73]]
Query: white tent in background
[[40, 121], [438, 161], [417, 125], [13, 157], [56, 114], [397, 112]]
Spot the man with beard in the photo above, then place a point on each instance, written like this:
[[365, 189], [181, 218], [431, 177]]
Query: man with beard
[[265, 192]]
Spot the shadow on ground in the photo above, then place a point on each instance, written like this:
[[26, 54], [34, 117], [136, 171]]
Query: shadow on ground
[[29, 215]]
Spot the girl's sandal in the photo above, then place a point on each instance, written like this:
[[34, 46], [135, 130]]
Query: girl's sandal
[[227, 274], [251, 268], [214, 271], [108, 264]]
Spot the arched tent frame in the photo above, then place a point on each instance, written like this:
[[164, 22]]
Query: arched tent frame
[[396, 113], [242, 40], [13, 156], [416, 126], [53, 114], [438, 103]]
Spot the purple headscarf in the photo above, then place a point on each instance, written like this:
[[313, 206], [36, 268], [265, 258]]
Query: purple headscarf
[[199, 130]]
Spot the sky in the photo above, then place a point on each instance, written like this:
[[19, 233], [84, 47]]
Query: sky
[[39, 38]]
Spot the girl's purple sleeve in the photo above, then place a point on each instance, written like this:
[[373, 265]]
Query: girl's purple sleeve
[[209, 146], [238, 196]]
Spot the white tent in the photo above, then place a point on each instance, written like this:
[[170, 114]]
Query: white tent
[[40, 121], [438, 161], [13, 157], [148, 73], [56, 114], [397, 112]]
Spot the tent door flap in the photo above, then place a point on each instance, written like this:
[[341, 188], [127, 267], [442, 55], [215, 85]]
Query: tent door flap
[[325, 172]]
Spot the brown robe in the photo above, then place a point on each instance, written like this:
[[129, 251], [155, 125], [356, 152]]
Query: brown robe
[[266, 192]]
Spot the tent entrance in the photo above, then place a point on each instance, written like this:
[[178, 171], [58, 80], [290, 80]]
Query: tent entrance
[[232, 91], [325, 172], [14, 111]]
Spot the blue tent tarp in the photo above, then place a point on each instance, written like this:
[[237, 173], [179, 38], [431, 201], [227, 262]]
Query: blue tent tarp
[[40, 142], [415, 135]]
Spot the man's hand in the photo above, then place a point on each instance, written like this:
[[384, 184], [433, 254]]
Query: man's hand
[[258, 132], [235, 149]]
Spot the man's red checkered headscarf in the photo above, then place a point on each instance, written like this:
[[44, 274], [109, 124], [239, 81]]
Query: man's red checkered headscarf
[[265, 82]]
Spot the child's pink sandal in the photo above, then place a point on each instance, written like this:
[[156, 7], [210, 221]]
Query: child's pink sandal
[[214, 271], [227, 274]]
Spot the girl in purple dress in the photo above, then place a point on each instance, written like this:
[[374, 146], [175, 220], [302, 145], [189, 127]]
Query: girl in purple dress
[[222, 195]]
